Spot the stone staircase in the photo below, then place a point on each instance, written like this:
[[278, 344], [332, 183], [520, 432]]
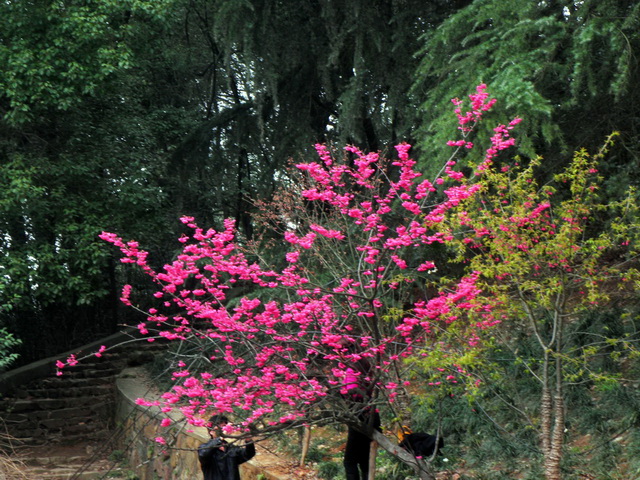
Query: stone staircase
[[62, 426], [74, 462], [74, 407]]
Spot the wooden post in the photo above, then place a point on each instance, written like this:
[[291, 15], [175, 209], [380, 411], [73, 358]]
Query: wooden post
[[306, 440], [373, 451]]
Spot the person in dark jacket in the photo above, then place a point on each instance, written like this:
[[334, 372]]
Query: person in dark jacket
[[218, 459], [358, 388], [358, 448]]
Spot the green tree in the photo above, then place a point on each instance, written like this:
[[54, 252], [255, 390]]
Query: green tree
[[170, 108], [275, 78], [555, 257], [70, 151], [55, 54], [7, 343], [569, 68]]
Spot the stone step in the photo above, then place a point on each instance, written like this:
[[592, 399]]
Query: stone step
[[72, 391], [70, 461], [59, 418], [89, 371], [62, 384], [69, 469], [63, 473], [47, 438], [49, 404], [54, 461], [36, 428]]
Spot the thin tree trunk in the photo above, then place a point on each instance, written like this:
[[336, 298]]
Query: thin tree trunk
[[306, 440], [553, 455], [546, 408], [373, 452], [421, 468]]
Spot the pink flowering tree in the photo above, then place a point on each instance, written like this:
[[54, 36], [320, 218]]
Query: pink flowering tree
[[326, 332]]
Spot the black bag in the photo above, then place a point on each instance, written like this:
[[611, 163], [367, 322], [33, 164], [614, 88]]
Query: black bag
[[421, 444]]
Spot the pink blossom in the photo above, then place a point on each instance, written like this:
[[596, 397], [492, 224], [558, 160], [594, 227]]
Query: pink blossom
[[327, 232], [426, 266], [292, 257], [126, 293], [379, 221]]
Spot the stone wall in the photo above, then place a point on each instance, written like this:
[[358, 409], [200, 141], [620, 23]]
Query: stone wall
[[152, 461], [72, 408], [141, 425]]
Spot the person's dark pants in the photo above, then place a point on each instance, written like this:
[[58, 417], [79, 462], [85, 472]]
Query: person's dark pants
[[356, 455]]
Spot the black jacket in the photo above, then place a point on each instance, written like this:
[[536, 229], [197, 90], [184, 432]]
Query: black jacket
[[222, 464], [422, 444]]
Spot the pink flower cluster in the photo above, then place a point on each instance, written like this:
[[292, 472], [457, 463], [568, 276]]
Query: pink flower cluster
[[480, 103], [285, 355]]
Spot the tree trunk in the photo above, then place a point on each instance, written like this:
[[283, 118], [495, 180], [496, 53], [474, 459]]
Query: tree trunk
[[553, 455], [546, 408], [373, 452], [306, 440]]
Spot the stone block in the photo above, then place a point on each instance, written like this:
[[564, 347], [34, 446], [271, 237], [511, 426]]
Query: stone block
[[54, 423], [15, 418], [19, 406], [50, 403]]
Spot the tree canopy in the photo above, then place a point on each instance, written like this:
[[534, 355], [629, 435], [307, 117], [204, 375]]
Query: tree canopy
[[569, 68], [172, 108], [124, 116]]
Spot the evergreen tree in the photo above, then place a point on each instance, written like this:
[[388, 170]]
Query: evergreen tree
[[74, 150], [180, 107], [569, 68]]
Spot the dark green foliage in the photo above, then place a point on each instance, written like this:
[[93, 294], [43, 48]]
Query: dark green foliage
[[55, 54], [76, 159], [329, 470], [136, 113], [495, 433], [317, 451], [568, 68], [7, 343], [389, 468]]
